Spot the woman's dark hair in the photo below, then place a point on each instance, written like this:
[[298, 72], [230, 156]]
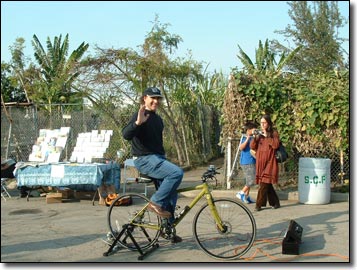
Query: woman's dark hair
[[270, 124]]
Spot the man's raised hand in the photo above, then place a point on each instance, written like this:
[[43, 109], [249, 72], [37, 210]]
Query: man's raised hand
[[141, 116]]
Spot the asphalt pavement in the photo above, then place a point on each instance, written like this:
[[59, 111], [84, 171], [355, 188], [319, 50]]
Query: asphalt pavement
[[73, 231]]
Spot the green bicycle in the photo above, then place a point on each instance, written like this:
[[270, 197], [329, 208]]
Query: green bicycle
[[223, 228]]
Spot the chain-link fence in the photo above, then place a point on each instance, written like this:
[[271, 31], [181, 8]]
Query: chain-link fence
[[289, 170], [20, 126]]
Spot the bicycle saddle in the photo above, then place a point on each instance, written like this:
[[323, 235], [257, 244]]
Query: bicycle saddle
[[144, 178]]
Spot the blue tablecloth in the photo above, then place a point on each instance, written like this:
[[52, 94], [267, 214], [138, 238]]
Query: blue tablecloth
[[73, 175]]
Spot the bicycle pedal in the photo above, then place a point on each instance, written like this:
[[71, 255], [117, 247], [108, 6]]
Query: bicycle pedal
[[165, 235]]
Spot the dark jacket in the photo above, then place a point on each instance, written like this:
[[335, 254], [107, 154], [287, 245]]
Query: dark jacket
[[145, 139]]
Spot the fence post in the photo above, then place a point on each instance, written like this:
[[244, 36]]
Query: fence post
[[342, 173], [229, 150]]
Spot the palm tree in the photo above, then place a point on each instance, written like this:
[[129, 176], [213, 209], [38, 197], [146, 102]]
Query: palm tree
[[57, 72]]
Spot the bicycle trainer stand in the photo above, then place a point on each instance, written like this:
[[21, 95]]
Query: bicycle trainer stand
[[126, 232]]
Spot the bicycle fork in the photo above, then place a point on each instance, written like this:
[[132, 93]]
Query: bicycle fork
[[219, 223]]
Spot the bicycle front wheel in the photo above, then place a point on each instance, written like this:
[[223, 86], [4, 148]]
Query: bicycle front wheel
[[128, 211], [239, 229]]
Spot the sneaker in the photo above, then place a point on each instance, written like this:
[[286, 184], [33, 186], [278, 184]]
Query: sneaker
[[249, 200], [241, 196], [245, 199], [173, 238]]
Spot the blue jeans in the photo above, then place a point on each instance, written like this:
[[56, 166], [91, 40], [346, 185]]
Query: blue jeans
[[158, 167]]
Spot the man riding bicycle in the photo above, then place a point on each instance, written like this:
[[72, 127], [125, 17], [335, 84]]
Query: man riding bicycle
[[144, 130]]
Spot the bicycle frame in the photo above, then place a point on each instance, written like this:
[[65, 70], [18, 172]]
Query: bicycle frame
[[204, 191]]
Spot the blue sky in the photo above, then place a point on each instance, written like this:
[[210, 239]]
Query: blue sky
[[210, 30]]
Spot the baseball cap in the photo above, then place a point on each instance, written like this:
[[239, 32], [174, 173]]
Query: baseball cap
[[152, 92]]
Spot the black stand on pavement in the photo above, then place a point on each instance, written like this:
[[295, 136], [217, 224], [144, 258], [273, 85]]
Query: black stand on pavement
[[127, 230], [292, 239]]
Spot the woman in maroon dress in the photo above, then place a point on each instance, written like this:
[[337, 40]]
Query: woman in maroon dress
[[265, 144]]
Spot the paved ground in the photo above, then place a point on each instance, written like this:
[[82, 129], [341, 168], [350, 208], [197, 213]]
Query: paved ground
[[33, 231]]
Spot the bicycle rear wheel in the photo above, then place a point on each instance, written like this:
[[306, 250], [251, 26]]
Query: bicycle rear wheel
[[239, 234], [143, 225]]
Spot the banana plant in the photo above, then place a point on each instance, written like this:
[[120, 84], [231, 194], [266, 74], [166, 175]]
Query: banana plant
[[265, 63], [57, 72]]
